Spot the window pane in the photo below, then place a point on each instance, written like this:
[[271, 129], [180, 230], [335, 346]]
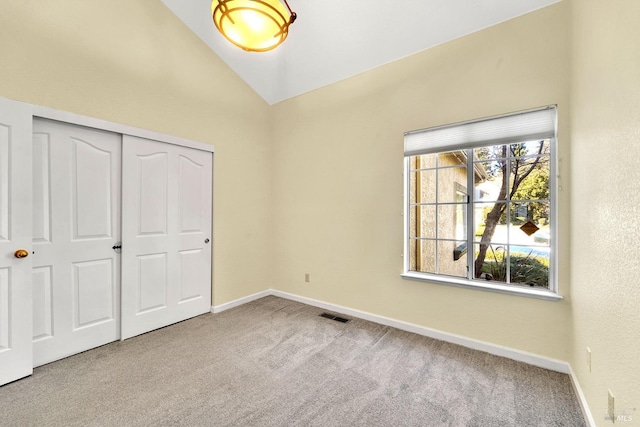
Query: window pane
[[422, 221], [452, 260], [452, 158], [492, 152], [481, 212], [494, 262], [452, 182], [423, 187], [424, 161], [533, 178], [529, 266], [412, 254], [423, 256], [461, 221], [452, 222], [529, 148], [529, 223], [488, 181]]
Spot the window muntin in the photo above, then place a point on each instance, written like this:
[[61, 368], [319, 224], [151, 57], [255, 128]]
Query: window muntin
[[512, 194]]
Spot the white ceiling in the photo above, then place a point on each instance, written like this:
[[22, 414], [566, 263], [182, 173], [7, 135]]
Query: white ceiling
[[335, 39]]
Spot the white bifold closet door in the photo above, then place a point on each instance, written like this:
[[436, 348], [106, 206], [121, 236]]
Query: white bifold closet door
[[76, 223], [15, 234], [103, 236], [166, 228]]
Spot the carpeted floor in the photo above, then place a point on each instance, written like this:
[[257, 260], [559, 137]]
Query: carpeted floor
[[274, 362]]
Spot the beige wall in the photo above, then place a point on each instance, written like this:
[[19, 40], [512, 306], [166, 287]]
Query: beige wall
[[605, 147], [338, 179], [133, 62]]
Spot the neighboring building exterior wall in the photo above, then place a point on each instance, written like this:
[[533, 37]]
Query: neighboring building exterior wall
[[451, 177]]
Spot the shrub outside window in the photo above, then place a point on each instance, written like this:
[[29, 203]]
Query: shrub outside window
[[480, 204]]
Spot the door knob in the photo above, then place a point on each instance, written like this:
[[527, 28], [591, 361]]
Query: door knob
[[21, 253]]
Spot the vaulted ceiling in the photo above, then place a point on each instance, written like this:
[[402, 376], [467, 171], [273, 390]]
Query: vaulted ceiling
[[335, 39]]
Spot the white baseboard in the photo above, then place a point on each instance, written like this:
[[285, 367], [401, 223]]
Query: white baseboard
[[235, 303], [497, 350], [588, 418]]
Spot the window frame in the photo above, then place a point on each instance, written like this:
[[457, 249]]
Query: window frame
[[548, 294]]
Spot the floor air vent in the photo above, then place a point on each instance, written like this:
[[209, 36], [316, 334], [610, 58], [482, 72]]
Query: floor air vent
[[336, 318]]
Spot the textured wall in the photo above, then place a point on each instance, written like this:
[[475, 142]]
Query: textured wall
[[338, 179], [133, 62], [605, 268]]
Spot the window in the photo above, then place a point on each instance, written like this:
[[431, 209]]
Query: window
[[480, 203]]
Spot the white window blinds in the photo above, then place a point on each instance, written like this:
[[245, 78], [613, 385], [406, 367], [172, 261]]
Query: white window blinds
[[518, 127]]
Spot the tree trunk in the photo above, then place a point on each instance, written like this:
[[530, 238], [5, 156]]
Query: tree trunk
[[490, 227], [492, 219]]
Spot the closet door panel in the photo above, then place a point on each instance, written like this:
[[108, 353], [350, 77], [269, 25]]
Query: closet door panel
[[42, 302], [77, 203], [41, 188], [152, 283], [192, 264], [91, 190], [152, 187], [166, 248], [15, 233], [93, 283]]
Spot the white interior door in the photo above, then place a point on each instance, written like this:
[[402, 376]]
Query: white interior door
[[15, 233], [76, 222], [166, 230]]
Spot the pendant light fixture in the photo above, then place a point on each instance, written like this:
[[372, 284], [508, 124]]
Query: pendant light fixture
[[253, 25]]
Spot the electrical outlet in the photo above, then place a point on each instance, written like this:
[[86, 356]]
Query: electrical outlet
[[307, 277], [611, 408], [589, 358]]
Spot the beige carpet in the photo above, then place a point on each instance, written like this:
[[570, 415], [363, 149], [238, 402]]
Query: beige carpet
[[274, 362]]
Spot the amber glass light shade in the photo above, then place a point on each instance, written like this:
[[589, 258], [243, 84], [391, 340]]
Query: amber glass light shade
[[253, 25]]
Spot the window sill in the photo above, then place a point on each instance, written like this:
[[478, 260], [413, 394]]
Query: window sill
[[484, 286]]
